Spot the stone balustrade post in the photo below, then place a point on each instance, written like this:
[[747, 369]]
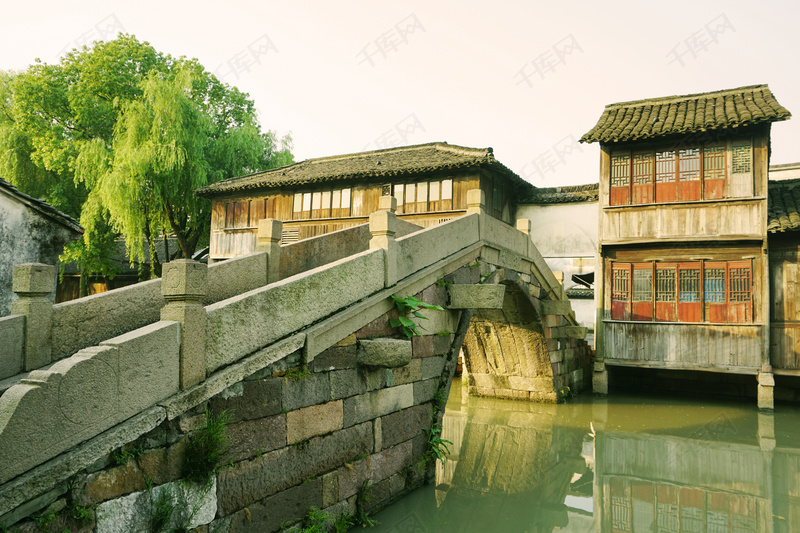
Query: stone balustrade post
[[383, 226], [524, 225], [33, 282], [269, 240], [476, 201], [183, 285]]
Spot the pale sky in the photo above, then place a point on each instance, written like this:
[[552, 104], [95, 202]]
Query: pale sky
[[527, 78]]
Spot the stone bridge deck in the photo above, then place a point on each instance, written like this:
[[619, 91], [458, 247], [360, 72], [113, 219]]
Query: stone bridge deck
[[326, 398]]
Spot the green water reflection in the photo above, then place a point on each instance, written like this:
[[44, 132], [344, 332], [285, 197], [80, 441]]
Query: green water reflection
[[625, 464]]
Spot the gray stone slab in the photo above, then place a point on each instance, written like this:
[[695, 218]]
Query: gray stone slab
[[246, 323], [12, 331], [345, 383], [77, 398], [251, 481], [195, 505], [476, 296], [310, 390], [45, 477], [425, 390], [386, 353], [382, 402], [432, 367]]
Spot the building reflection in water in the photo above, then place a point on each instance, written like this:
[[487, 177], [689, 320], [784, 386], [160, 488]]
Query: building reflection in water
[[617, 465]]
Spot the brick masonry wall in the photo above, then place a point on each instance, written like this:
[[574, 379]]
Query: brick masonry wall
[[300, 437]]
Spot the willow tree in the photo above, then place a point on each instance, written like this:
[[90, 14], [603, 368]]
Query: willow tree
[[121, 134]]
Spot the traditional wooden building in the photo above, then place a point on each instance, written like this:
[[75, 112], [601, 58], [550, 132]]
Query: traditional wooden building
[[430, 182], [684, 273], [784, 263]]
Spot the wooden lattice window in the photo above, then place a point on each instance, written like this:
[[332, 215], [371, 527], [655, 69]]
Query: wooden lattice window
[[620, 291], [642, 293], [642, 285], [619, 193], [714, 162], [665, 284], [690, 307], [741, 284], [690, 285], [714, 284], [689, 164], [620, 513], [621, 284], [620, 170], [643, 169], [741, 159], [665, 166], [714, 172], [642, 178], [699, 291]]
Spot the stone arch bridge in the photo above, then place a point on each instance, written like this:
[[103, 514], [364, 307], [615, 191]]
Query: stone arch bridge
[[101, 395]]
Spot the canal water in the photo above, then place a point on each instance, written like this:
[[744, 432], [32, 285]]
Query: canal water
[[621, 464]]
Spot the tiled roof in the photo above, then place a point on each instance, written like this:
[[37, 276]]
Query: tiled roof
[[562, 195], [391, 162], [41, 206], [658, 117], [783, 206]]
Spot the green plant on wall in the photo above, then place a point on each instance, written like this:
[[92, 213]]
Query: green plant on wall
[[206, 448], [410, 306]]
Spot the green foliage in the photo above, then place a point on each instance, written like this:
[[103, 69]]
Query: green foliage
[[439, 399], [121, 456], [437, 446], [120, 135], [443, 283], [410, 306], [85, 515], [364, 495], [565, 393], [162, 507], [316, 521], [298, 373], [444, 333], [206, 448], [43, 520]]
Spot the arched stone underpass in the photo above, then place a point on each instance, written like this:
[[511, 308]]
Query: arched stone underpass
[[517, 352]]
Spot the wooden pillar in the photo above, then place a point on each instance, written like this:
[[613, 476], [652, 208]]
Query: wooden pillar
[[32, 283]]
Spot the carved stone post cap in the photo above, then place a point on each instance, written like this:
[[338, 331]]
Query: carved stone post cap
[[269, 229], [524, 225], [183, 278], [476, 198], [387, 203], [33, 278], [383, 223]]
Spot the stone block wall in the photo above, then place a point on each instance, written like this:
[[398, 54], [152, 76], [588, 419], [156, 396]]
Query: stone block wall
[[339, 435]]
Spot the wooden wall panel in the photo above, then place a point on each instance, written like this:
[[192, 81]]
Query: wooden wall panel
[[217, 214], [257, 211], [723, 219], [688, 346]]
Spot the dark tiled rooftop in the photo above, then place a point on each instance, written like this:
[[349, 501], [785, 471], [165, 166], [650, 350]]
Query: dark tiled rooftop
[[391, 162], [783, 206], [42, 207], [658, 117], [561, 195]]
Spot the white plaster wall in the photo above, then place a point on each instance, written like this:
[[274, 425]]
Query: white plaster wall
[[566, 236], [788, 172], [26, 237]]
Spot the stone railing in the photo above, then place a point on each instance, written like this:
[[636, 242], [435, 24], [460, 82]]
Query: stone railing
[[57, 331], [193, 344]]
